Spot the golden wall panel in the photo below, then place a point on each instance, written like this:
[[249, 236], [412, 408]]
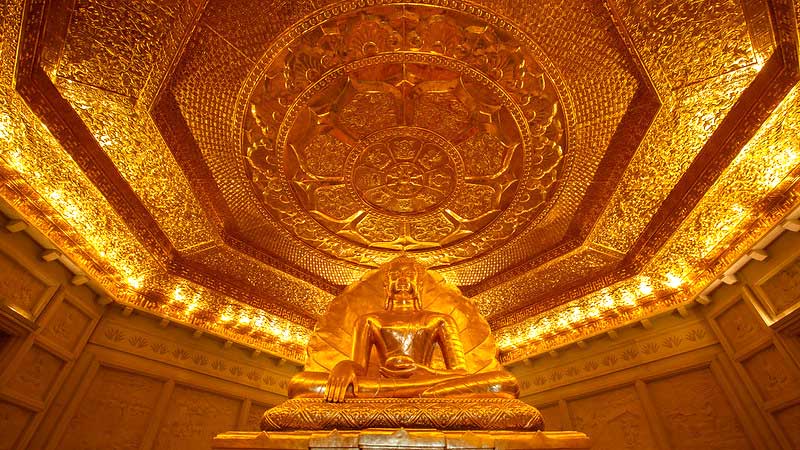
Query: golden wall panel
[[113, 45], [194, 417], [253, 420], [21, 288], [772, 374], [700, 417], [740, 326], [552, 418], [148, 344], [619, 422], [782, 289], [602, 361], [789, 421], [36, 373], [67, 326], [115, 412], [13, 421]]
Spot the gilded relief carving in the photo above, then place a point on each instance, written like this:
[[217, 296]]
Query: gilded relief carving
[[620, 424], [19, 287], [739, 325], [783, 288], [194, 417], [407, 106], [122, 48], [114, 397], [771, 374], [701, 417], [36, 373], [67, 326]]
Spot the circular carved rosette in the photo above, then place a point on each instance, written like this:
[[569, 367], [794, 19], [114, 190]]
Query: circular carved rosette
[[403, 128], [404, 171]]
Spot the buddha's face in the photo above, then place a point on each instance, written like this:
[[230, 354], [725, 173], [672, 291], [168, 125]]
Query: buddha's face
[[402, 282]]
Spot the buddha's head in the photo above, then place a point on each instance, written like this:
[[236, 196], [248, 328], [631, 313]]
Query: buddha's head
[[403, 283]]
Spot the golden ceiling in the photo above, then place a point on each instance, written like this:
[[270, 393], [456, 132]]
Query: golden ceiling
[[570, 165]]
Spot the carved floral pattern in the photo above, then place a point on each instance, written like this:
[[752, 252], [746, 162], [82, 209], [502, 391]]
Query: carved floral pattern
[[447, 87], [628, 356], [171, 353]]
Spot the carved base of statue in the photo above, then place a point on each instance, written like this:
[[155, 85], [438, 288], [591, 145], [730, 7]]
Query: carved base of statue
[[385, 439], [489, 414]]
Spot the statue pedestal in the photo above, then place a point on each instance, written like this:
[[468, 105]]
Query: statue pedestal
[[411, 439]]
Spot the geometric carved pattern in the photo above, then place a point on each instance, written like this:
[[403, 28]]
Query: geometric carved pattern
[[442, 414]]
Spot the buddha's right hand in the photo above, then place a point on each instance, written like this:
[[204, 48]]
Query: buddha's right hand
[[340, 378]]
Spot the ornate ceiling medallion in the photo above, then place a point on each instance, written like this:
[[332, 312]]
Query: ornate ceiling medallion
[[403, 128]]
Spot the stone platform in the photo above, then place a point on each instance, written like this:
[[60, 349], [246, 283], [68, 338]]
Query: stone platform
[[386, 439]]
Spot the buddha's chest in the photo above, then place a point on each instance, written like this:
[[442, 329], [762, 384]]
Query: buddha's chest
[[409, 337]]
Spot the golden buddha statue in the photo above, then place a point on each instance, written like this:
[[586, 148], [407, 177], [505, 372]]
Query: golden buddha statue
[[404, 336], [402, 348]]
